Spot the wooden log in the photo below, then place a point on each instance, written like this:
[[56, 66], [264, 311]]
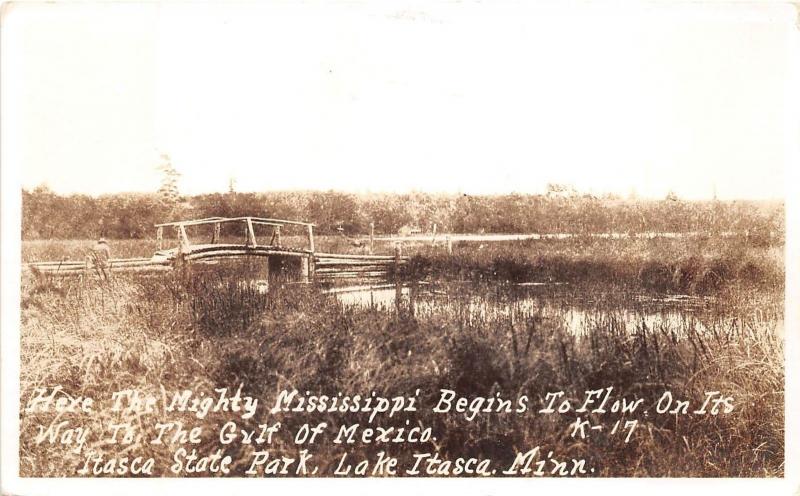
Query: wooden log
[[356, 289], [382, 266], [256, 220], [353, 269], [82, 270], [57, 264], [240, 253], [136, 264], [112, 264], [353, 257], [341, 266], [347, 275], [351, 263], [115, 260], [55, 270], [276, 221], [345, 261], [353, 275], [244, 252], [207, 220], [239, 246], [144, 268]]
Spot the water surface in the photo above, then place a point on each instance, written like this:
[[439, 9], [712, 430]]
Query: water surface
[[560, 306]]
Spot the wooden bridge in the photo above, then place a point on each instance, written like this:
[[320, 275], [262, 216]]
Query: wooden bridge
[[261, 257]]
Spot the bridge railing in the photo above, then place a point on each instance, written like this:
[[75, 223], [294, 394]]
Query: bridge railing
[[278, 227]]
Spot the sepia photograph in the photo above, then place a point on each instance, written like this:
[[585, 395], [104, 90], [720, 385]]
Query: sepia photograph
[[412, 240]]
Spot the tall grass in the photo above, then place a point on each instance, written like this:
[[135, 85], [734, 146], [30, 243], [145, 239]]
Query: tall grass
[[666, 265], [169, 333]]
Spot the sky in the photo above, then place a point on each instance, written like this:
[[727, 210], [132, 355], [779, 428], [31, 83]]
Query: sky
[[467, 97]]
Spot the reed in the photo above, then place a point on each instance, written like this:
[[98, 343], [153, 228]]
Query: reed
[[168, 333]]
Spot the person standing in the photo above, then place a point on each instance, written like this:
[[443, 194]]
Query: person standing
[[101, 254]]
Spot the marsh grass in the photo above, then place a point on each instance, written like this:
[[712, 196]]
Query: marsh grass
[[173, 332], [694, 266]]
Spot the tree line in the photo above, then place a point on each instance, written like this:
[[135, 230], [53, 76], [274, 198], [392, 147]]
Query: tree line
[[48, 215]]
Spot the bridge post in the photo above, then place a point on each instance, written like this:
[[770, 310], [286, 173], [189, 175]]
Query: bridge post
[[371, 237], [215, 237], [398, 253], [398, 296], [305, 268], [159, 237], [251, 234], [311, 238], [183, 239], [278, 236], [266, 272]]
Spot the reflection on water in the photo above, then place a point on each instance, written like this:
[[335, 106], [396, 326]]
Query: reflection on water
[[380, 296], [573, 314]]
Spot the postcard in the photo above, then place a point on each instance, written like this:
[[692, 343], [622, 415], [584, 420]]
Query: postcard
[[361, 247]]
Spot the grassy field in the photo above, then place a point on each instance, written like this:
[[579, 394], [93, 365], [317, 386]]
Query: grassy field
[[168, 333]]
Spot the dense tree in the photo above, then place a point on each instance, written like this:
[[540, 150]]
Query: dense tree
[[122, 216]]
